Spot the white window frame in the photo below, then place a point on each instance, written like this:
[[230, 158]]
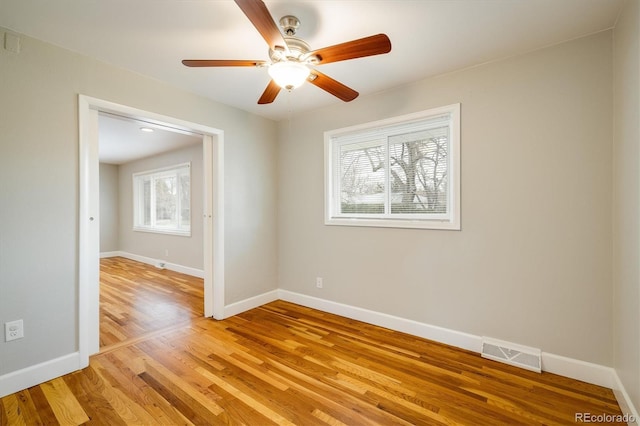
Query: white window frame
[[138, 201], [366, 132]]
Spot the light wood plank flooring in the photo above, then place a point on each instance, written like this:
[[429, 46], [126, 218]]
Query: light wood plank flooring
[[136, 299], [285, 364]]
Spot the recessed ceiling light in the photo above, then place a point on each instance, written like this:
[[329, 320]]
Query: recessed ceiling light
[[146, 129]]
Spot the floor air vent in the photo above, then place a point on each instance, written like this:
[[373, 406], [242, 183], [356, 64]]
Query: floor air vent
[[512, 354]]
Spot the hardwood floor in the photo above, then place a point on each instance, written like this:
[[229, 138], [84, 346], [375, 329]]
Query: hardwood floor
[[285, 364], [136, 299]]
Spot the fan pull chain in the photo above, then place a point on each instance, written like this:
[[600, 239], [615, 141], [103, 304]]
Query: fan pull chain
[[289, 116], [289, 110]]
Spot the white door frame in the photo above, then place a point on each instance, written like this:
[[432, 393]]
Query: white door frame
[[89, 224]]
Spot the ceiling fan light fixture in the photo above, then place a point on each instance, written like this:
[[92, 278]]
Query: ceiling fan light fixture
[[289, 75], [290, 56]]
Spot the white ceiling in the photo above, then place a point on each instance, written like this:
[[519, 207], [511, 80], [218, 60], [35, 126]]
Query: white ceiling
[[429, 37], [122, 141]]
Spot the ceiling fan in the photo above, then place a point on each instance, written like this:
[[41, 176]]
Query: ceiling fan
[[292, 58]]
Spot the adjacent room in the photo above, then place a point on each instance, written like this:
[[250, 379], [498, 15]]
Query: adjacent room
[[385, 212], [151, 179]]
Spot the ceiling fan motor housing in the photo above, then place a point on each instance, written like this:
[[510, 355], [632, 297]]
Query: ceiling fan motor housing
[[289, 24], [298, 48]]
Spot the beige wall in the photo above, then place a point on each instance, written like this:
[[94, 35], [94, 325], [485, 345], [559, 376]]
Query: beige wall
[[626, 200], [109, 202], [532, 263], [39, 189], [184, 251]]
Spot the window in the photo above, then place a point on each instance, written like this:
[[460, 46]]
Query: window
[[403, 172], [161, 200]]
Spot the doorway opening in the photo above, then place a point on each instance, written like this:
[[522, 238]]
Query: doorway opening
[[89, 217], [151, 228]]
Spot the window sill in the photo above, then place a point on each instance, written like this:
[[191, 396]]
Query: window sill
[[163, 231], [394, 223]]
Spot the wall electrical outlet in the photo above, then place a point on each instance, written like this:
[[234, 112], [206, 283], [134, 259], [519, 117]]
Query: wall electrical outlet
[[13, 330], [318, 282]]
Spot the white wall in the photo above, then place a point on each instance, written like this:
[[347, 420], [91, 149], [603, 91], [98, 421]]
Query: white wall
[[532, 263], [183, 250], [626, 200], [39, 189], [109, 202]]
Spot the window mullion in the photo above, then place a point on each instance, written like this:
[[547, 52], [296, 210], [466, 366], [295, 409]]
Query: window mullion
[[152, 202], [387, 177], [178, 201], [337, 186]]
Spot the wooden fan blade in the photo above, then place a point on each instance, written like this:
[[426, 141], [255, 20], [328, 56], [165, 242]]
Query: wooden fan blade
[[368, 46], [270, 93], [260, 17], [221, 63], [332, 86]]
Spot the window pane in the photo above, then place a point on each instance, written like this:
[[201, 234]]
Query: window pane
[[399, 172], [185, 196], [166, 202], [146, 200], [418, 171], [362, 179], [162, 200]]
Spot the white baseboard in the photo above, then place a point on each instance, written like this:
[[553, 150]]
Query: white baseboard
[[576, 369], [250, 303], [568, 367], [624, 400], [39, 373], [199, 273], [110, 254], [427, 331]]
